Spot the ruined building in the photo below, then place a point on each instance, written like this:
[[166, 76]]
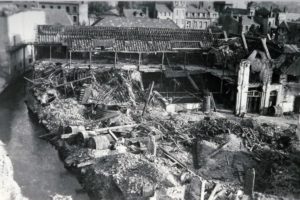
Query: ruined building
[[247, 72]]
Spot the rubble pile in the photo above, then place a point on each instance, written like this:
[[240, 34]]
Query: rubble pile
[[62, 112], [142, 177], [123, 145]]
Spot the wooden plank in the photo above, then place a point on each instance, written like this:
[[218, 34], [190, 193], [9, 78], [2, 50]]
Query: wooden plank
[[192, 82], [244, 42], [113, 135], [29, 80], [47, 135], [202, 195], [63, 84], [179, 162], [161, 98], [213, 101], [149, 97], [115, 128], [87, 94], [213, 193], [264, 43], [217, 150], [84, 164]]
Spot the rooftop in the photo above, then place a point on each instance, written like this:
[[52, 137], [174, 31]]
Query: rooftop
[[82, 38], [192, 8], [55, 17], [134, 13], [160, 7], [114, 21], [236, 11]]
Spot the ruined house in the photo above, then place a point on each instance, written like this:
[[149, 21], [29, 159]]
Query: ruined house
[[247, 72]]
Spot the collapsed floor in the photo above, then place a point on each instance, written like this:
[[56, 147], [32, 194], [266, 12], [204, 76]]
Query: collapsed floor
[[122, 144]]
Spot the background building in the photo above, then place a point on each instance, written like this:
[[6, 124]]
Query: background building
[[76, 10], [188, 15], [15, 53]]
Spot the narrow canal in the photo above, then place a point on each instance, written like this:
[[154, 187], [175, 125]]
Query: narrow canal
[[37, 168]]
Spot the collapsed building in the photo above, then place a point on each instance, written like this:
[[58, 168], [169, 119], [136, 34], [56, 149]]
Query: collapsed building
[[183, 63], [112, 101]]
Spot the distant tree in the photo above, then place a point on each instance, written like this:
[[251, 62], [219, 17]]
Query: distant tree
[[98, 8]]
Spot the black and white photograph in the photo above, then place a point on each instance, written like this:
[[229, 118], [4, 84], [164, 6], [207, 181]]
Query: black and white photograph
[[149, 100]]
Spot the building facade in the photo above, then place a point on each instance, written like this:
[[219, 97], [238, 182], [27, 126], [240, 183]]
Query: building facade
[[179, 13], [163, 11], [15, 54], [188, 16], [200, 18], [77, 10]]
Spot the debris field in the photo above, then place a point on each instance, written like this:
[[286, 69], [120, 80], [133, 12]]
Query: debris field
[[113, 132]]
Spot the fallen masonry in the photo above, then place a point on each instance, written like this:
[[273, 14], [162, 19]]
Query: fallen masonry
[[121, 143]]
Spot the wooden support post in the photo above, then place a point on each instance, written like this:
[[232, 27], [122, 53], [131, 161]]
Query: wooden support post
[[66, 54], [264, 43], [221, 86], [140, 56], [149, 97], [223, 72], [70, 62], [33, 53], [115, 63], [193, 82], [244, 42], [50, 52], [162, 67], [90, 55], [213, 193], [184, 60], [212, 100], [71, 84], [203, 182], [225, 35], [162, 60]]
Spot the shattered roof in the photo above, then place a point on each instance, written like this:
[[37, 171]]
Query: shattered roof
[[124, 39], [135, 22]]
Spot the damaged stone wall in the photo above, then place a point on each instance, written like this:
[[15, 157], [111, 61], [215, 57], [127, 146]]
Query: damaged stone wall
[[242, 88]]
